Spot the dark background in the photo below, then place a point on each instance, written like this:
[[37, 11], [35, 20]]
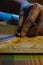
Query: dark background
[[11, 7], [39, 1]]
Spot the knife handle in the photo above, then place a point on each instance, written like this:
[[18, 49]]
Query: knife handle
[[8, 16]]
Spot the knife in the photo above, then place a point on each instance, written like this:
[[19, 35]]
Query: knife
[[6, 28]]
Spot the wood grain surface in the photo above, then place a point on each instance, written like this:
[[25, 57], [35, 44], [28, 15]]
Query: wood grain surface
[[22, 45]]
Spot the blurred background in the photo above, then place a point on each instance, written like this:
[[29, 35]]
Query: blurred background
[[5, 5], [39, 1]]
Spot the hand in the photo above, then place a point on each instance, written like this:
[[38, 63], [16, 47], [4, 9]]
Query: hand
[[31, 19]]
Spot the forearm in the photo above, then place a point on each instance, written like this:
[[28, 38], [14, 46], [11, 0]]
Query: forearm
[[12, 6]]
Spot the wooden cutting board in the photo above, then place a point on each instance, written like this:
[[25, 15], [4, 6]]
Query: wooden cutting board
[[22, 45]]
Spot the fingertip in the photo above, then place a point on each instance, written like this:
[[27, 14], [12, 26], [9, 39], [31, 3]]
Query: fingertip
[[22, 34]]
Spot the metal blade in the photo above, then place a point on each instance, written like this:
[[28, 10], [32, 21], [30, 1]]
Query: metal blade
[[4, 37], [8, 31]]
